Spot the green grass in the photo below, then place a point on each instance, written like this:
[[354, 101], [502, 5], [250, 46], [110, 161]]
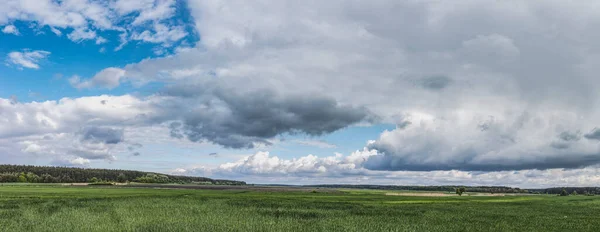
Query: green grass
[[66, 208]]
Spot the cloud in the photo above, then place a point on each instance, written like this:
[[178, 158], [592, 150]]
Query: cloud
[[265, 168], [315, 143], [161, 33], [102, 135], [81, 34], [244, 119], [509, 142], [14, 99], [160, 10], [10, 29], [27, 59], [101, 40], [86, 17], [56, 31], [489, 97], [435, 82], [594, 134], [71, 162], [263, 164], [134, 146], [495, 96], [108, 78]]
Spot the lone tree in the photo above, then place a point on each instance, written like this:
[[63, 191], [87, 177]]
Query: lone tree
[[574, 192], [460, 190], [121, 178], [564, 193]]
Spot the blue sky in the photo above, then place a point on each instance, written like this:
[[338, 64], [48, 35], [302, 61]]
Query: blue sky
[[393, 92]]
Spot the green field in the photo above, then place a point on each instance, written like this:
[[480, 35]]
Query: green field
[[66, 208]]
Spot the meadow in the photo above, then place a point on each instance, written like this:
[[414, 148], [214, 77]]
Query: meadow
[[100, 208]]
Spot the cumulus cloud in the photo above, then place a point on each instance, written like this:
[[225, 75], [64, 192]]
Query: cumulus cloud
[[506, 142], [263, 167], [241, 120], [27, 59], [102, 135], [263, 163], [161, 33], [81, 34], [108, 78], [233, 120], [71, 162], [489, 97], [10, 29], [515, 90], [87, 17]]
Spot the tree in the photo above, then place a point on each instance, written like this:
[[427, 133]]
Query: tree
[[564, 193], [121, 178], [22, 178], [574, 192], [94, 180], [460, 190]]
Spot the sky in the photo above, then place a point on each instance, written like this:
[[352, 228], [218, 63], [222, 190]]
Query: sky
[[410, 92]]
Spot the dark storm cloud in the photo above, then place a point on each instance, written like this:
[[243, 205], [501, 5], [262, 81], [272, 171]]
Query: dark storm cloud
[[594, 134], [239, 120], [105, 135], [388, 161], [570, 136]]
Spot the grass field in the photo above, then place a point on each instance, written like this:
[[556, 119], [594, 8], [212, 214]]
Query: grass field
[[66, 208]]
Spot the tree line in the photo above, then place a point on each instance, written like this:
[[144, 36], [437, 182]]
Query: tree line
[[47, 174], [482, 189], [445, 188]]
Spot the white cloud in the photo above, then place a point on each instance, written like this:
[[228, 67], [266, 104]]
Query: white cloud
[[27, 59], [80, 34], [10, 29], [56, 31], [161, 9], [315, 143], [87, 17], [522, 137], [496, 95], [265, 168], [71, 162], [161, 34], [262, 163], [108, 78], [101, 40], [534, 80]]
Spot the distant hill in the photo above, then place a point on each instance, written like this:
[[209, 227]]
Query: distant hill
[[46, 174]]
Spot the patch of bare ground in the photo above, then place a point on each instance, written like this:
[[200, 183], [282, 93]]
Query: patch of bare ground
[[76, 184]]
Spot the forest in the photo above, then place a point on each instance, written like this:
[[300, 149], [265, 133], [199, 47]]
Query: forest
[[47, 174], [482, 189]]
